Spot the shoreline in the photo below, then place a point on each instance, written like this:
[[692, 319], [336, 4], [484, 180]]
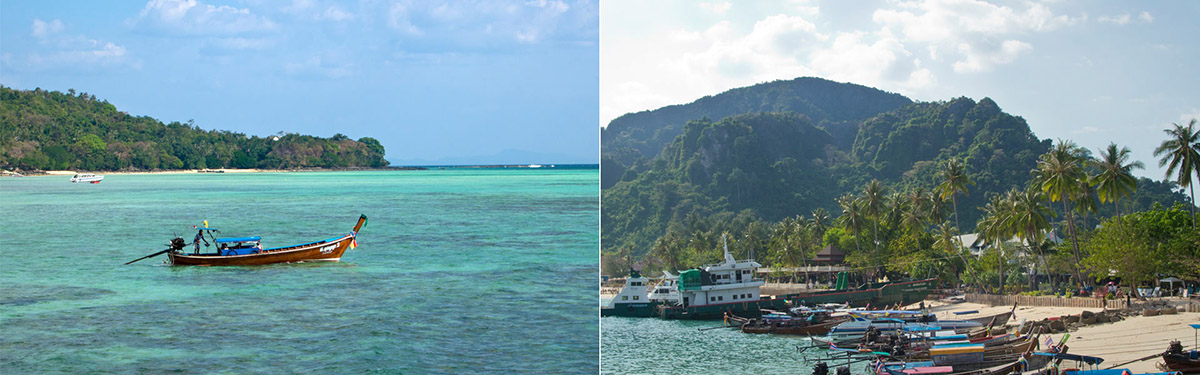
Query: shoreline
[[1129, 339], [7, 173]]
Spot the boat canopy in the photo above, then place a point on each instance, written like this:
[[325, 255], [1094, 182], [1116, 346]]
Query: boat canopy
[[1073, 357], [238, 239]]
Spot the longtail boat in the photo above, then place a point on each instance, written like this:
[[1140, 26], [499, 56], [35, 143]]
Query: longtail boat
[[1177, 359], [248, 251], [815, 323]]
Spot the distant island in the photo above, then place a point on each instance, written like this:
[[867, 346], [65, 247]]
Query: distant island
[[52, 130]]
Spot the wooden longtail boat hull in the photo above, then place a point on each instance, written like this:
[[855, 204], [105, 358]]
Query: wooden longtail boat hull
[[1016, 347], [999, 319], [1181, 363], [327, 250], [330, 250], [797, 329]]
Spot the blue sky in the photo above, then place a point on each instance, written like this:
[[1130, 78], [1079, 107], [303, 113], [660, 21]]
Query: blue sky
[[1093, 72], [456, 82]]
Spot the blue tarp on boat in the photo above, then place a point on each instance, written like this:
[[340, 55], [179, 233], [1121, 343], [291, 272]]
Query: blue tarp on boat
[[238, 239], [241, 251]]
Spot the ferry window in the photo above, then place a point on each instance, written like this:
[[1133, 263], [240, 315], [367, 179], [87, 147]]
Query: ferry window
[[712, 299], [635, 298], [720, 298], [624, 298]]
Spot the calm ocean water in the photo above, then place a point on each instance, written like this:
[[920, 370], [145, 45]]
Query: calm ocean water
[[457, 271], [671, 347]]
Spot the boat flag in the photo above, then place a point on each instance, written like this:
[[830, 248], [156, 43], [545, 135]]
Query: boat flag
[[206, 223], [353, 243], [1049, 342]]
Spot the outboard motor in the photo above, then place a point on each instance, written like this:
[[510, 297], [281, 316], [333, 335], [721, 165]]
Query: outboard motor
[[177, 244], [844, 370], [820, 369], [1175, 347]]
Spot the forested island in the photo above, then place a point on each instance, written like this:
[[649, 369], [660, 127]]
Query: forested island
[[52, 130], [787, 168]]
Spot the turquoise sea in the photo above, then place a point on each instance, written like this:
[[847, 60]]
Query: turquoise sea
[[457, 271], [654, 346]]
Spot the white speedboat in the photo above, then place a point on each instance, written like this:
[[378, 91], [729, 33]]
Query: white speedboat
[[87, 177]]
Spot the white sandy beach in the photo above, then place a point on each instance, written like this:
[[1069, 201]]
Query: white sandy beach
[[1126, 340]]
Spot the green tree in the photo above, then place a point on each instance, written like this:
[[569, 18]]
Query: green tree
[[851, 217], [1115, 180], [1028, 220], [954, 181], [1142, 246], [1181, 153], [873, 202], [1058, 174]]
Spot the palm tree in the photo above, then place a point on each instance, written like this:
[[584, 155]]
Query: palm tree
[[851, 217], [946, 239], [1058, 174], [1029, 221], [954, 181], [668, 249], [1181, 152], [872, 199], [992, 227], [1085, 198], [1115, 180], [820, 221]]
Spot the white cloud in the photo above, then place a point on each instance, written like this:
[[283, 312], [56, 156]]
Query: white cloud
[[190, 17], [1120, 20], [1194, 114], [452, 24], [42, 29], [398, 18], [60, 50], [336, 13], [554, 6], [715, 7], [1126, 18], [903, 47], [873, 59], [981, 57], [241, 43], [982, 34]]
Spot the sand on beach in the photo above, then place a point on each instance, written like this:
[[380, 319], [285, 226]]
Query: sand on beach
[[1126, 340]]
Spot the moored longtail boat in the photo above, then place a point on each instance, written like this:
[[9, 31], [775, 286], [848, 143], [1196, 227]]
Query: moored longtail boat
[[247, 251], [1177, 359], [819, 324]]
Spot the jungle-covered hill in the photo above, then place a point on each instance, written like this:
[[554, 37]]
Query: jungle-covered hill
[[776, 162], [52, 130], [837, 107]]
